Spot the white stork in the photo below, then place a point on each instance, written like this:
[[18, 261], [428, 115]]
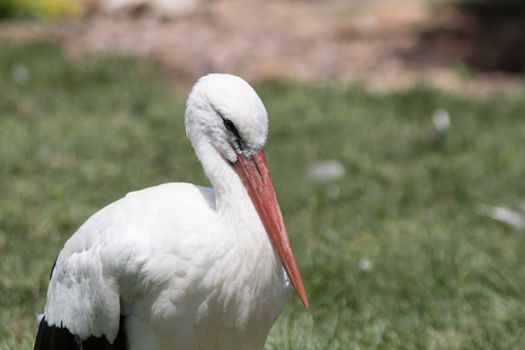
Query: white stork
[[179, 266]]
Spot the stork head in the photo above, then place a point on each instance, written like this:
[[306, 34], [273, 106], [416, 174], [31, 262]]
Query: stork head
[[226, 112]]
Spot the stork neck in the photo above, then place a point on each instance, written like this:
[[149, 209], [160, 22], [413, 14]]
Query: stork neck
[[242, 224], [231, 196]]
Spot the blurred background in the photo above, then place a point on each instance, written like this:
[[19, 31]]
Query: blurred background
[[397, 133]]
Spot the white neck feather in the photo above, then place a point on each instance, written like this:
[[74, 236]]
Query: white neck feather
[[231, 196]]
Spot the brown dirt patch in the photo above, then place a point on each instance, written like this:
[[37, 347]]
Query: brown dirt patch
[[386, 44]]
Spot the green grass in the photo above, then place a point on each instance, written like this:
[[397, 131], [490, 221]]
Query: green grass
[[42, 9], [75, 135]]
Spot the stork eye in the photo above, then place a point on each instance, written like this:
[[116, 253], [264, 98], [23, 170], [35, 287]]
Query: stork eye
[[231, 127]]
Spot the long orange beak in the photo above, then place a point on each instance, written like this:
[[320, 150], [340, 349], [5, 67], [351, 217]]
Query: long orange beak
[[255, 176]]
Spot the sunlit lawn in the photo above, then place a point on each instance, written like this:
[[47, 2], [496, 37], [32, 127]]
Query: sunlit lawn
[[395, 255]]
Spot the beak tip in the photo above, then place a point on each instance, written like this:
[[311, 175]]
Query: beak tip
[[304, 298], [305, 303], [298, 285]]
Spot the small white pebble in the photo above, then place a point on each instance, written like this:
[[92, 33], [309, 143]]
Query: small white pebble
[[441, 121], [20, 74], [365, 265], [326, 171], [504, 215]]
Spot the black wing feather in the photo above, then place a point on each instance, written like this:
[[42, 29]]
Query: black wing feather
[[60, 338]]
